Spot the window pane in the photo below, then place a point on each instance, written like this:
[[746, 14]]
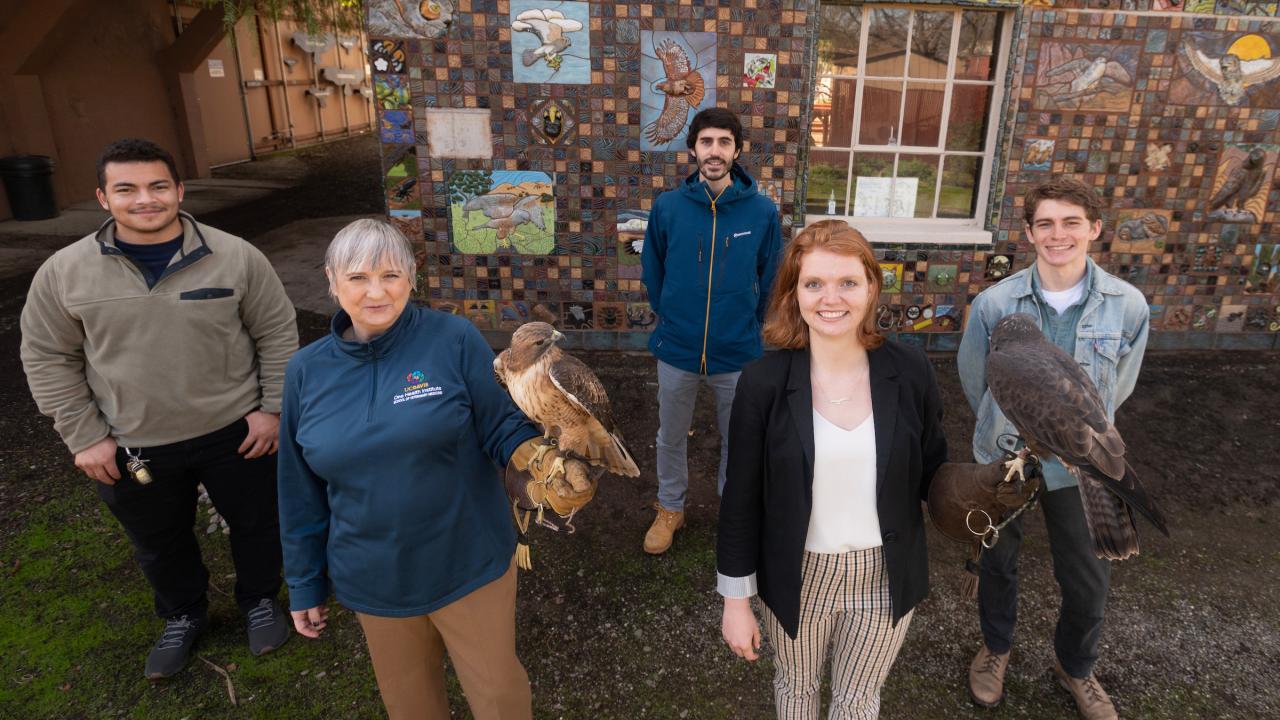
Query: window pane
[[922, 172], [838, 39], [887, 42], [873, 184], [967, 125], [960, 175], [881, 103], [833, 113], [976, 56], [828, 178], [931, 44], [922, 116]]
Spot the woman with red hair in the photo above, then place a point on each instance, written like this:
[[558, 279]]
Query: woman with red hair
[[833, 441]]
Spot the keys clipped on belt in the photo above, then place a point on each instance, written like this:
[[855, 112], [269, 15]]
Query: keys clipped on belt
[[137, 467]]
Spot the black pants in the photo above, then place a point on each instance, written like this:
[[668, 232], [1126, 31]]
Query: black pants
[[158, 518], [1082, 578]]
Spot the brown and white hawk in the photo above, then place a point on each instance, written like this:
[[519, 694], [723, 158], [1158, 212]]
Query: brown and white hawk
[[1058, 412], [563, 395]]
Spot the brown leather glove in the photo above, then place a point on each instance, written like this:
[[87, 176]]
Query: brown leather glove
[[540, 476]]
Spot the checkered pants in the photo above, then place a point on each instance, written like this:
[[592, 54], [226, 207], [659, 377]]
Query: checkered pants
[[844, 606]]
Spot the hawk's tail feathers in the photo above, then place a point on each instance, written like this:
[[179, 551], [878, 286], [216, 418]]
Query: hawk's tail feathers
[[1135, 496], [1110, 521]]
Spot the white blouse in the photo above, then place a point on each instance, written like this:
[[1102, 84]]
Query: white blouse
[[844, 516]]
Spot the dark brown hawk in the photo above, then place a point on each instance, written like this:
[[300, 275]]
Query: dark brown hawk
[[1058, 412]]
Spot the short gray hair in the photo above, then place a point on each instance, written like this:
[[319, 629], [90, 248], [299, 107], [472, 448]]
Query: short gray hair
[[363, 244]]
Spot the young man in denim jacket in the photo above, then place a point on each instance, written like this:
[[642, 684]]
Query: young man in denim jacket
[[1102, 321]]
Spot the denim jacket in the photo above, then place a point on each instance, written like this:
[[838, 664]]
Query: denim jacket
[[1110, 340]]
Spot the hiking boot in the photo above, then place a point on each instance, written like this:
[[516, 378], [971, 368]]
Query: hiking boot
[[986, 677], [663, 529], [268, 626], [1091, 700], [174, 646]]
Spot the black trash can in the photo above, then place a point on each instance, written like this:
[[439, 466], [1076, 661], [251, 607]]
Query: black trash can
[[28, 183]]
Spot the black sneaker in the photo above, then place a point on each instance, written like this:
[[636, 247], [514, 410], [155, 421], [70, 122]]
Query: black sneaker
[[174, 646], [268, 627]]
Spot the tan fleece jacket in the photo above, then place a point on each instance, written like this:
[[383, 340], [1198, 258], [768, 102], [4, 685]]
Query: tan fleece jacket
[[105, 355]]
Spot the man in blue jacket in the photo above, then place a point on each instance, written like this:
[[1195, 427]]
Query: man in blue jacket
[[1102, 322], [710, 253]]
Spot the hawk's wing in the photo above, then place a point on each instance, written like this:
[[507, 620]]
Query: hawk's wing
[[1202, 63], [675, 63], [493, 205], [1261, 70], [599, 442], [1053, 403], [580, 385], [1230, 186], [675, 111], [1068, 71]]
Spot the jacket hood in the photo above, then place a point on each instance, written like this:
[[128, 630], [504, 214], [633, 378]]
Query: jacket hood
[[743, 187]]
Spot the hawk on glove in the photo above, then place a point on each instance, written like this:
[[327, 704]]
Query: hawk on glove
[[1058, 413]]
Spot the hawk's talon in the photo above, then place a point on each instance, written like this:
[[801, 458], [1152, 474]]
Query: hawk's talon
[[1016, 466]]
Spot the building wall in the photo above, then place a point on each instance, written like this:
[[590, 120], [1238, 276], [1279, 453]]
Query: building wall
[[465, 104], [88, 73]]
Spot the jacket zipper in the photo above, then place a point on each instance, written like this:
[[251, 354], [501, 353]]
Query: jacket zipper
[[711, 266], [373, 383]]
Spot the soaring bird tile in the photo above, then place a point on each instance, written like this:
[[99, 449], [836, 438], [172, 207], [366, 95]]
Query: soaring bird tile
[[550, 42], [1086, 77], [1239, 70], [677, 79], [505, 211], [1241, 183]]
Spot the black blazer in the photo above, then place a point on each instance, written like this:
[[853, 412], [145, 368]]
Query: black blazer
[[764, 513]]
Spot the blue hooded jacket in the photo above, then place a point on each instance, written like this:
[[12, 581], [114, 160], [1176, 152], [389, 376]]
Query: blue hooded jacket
[[709, 267]]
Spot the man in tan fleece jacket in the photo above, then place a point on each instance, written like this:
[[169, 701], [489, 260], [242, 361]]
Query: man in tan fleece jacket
[[158, 347]]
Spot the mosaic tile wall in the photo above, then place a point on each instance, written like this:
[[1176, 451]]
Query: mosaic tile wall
[[524, 143]]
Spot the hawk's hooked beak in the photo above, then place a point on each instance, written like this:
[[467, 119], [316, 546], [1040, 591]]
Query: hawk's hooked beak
[[556, 335]]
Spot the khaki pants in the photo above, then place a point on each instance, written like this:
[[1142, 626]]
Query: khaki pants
[[479, 632]]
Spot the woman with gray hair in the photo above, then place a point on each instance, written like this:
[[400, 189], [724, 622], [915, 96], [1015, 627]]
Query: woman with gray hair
[[391, 435]]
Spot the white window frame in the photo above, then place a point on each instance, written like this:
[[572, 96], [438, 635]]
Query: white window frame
[[927, 231]]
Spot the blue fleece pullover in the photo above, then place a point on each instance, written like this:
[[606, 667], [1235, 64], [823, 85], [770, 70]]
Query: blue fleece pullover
[[709, 267], [389, 455]]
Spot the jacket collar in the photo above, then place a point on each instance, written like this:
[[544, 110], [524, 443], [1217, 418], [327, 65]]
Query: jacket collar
[[743, 186], [884, 407], [378, 347], [1098, 281], [194, 245]]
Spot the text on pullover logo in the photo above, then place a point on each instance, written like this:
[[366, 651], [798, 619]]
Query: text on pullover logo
[[740, 234], [418, 387]]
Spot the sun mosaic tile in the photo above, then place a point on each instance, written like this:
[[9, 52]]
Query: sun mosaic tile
[[524, 143]]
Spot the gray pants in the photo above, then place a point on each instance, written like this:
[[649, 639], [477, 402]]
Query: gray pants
[[677, 391]]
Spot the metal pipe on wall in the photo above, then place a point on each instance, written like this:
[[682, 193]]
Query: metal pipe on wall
[[284, 83], [244, 98]]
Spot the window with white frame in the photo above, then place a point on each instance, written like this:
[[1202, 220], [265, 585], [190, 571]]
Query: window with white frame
[[905, 113]]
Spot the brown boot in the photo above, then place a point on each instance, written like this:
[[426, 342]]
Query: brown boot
[[986, 677], [663, 529], [1091, 700]]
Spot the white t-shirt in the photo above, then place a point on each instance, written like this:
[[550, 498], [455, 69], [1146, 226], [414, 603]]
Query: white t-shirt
[[844, 516], [1060, 300]]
